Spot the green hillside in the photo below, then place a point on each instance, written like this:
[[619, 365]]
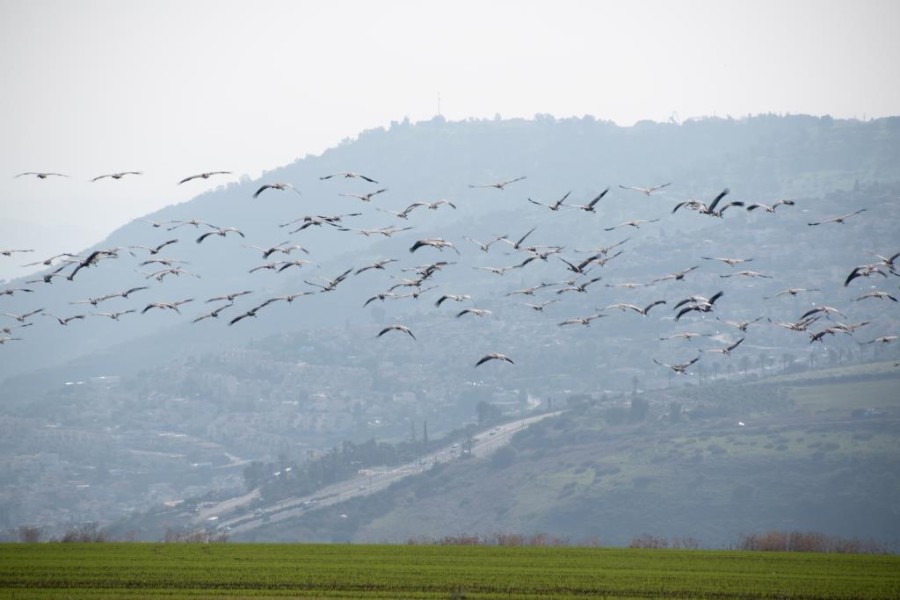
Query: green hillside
[[704, 464]]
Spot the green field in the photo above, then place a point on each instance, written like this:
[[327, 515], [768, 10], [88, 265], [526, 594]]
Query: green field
[[114, 570]]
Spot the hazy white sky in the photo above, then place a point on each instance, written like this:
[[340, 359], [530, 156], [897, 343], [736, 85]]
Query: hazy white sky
[[173, 88]]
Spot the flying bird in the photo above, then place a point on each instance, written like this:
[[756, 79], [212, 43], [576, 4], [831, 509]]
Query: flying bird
[[348, 175], [728, 261], [22, 317], [9, 330], [63, 320], [770, 209], [517, 245], [799, 325], [478, 312], [726, 350], [220, 232], [746, 274], [41, 175], [287, 264], [555, 206], [365, 197], [630, 285], [710, 209], [438, 243], [416, 293], [396, 327], [484, 246], [677, 276], [289, 298], [498, 184], [156, 224], [877, 294], [388, 231], [827, 310], [214, 314], [47, 262], [499, 270], [792, 292], [888, 261], [10, 253], [819, 336], [634, 223], [680, 368], [493, 356], [641, 311], [162, 273], [579, 269], [155, 249], [11, 291], [318, 221], [884, 339], [438, 203], [601, 259], [454, 297], [646, 190], [687, 335], [114, 315], [382, 297], [540, 305], [579, 287], [276, 186], [839, 219], [604, 250], [742, 325], [195, 222], [426, 271], [403, 214], [589, 207], [271, 266], [229, 297], [699, 300], [92, 301], [581, 320], [378, 265], [407, 283], [696, 303], [849, 327], [330, 284], [864, 271], [529, 291], [93, 259], [206, 175], [167, 305], [249, 313], [118, 175], [281, 247]]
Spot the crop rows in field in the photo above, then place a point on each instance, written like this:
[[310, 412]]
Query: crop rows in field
[[370, 571]]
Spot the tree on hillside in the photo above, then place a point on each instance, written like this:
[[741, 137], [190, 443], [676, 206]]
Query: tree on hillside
[[487, 413]]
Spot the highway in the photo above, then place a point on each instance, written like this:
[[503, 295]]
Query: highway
[[233, 516]]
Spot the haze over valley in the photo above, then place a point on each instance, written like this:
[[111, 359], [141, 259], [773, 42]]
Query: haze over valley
[[682, 301]]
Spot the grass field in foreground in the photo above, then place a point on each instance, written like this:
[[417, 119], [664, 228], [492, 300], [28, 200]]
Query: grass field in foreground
[[114, 570]]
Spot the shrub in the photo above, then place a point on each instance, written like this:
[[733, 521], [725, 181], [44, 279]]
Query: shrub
[[807, 541]]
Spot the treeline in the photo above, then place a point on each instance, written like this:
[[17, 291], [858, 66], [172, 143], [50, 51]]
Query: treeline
[[770, 541], [807, 541], [503, 539], [91, 533]]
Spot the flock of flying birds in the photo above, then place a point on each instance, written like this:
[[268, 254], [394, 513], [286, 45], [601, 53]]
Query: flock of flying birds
[[579, 273]]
